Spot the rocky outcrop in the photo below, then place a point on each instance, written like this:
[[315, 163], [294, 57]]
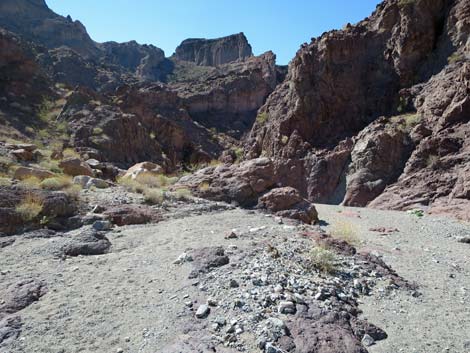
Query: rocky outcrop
[[324, 118], [228, 97], [242, 183], [214, 52], [53, 206], [145, 61], [148, 124]]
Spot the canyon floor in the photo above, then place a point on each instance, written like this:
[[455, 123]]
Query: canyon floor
[[136, 299]]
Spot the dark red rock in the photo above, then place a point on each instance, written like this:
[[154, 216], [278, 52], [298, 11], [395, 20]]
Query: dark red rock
[[131, 214]]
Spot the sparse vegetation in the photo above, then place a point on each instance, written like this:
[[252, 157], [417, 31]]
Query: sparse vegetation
[[455, 57], [182, 194], [432, 160], [345, 231], [31, 182], [323, 259], [238, 153], [5, 181], [204, 186], [30, 208], [97, 131], [73, 191], [154, 196], [262, 118], [51, 165], [57, 183], [407, 121], [403, 3], [70, 152]]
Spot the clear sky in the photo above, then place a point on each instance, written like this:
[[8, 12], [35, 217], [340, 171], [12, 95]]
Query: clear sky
[[277, 25]]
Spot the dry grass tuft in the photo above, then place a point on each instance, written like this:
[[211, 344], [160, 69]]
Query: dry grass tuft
[[30, 208], [57, 183], [154, 196], [31, 182], [345, 231], [182, 194], [323, 259]]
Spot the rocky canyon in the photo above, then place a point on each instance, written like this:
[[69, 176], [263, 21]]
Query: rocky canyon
[[212, 200]]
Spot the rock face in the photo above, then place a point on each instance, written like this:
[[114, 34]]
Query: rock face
[[407, 62], [214, 52], [228, 97], [145, 60]]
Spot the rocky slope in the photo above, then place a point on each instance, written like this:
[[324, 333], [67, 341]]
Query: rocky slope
[[214, 52], [407, 62]]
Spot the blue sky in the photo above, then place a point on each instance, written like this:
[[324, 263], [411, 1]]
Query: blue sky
[[277, 25]]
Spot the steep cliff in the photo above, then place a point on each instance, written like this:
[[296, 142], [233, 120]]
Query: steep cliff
[[345, 80], [214, 52]]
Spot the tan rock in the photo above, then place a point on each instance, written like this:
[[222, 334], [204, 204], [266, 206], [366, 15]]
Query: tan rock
[[144, 167]]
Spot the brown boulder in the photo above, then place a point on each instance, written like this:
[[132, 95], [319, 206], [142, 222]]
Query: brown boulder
[[287, 202], [26, 172], [131, 214], [22, 154], [74, 167]]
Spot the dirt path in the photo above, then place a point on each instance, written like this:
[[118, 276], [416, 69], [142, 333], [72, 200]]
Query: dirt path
[[427, 252]]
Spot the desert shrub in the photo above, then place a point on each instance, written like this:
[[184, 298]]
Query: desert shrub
[[73, 191], [182, 194], [5, 163], [455, 57], [57, 183], [30, 207], [417, 212], [70, 152], [31, 182], [407, 121], [432, 160], [51, 165], [323, 259], [345, 231], [5, 181], [204, 186], [97, 131], [154, 196], [238, 153], [262, 118], [158, 181], [131, 185]]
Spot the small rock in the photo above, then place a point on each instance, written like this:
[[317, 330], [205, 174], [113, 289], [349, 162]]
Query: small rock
[[286, 307], [465, 240], [184, 257], [102, 225], [202, 311], [233, 284], [231, 235], [211, 302], [367, 340]]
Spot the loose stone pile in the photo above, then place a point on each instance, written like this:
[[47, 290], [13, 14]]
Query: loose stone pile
[[274, 292]]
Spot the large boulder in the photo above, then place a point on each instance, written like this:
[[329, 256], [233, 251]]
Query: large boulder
[[22, 173], [287, 202], [74, 167], [86, 242], [143, 168], [131, 214], [242, 183]]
